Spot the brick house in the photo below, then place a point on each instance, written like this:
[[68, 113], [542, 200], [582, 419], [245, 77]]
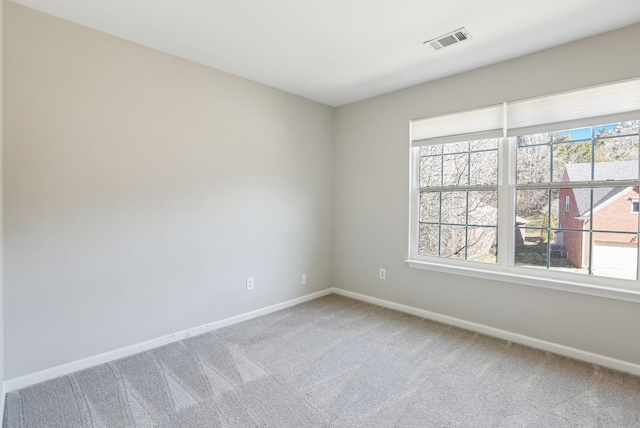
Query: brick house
[[614, 209]]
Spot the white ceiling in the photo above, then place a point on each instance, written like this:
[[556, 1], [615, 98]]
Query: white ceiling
[[337, 52]]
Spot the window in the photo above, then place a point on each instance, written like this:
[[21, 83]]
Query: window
[[598, 167], [458, 200], [488, 187]]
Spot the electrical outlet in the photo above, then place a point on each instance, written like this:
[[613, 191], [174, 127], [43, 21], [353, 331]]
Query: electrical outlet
[[383, 273], [249, 284], [304, 278]]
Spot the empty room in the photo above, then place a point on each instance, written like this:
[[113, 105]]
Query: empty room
[[320, 214]]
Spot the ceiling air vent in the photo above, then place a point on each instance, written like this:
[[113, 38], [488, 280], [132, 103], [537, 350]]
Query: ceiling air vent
[[452, 38]]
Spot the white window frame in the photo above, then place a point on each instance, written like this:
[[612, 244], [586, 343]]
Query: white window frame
[[505, 269], [633, 204], [567, 203], [466, 187]]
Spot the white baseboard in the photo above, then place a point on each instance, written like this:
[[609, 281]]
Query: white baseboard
[[578, 354], [65, 369]]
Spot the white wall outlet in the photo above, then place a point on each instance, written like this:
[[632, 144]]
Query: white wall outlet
[[304, 279], [249, 284], [383, 273]]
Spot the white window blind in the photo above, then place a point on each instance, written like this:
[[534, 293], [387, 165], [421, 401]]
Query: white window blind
[[615, 102], [486, 122]]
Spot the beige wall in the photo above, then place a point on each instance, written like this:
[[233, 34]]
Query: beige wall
[[371, 200], [141, 190]]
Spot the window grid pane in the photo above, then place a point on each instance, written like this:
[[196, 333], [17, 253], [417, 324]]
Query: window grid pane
[[586, 230], [458, 200]]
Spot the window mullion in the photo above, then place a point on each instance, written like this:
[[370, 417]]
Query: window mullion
[[577, 184], [593, 166], [506, 176], [478, 187], [549, 221], [414, 194]]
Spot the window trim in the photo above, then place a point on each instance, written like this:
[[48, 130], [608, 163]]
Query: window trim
[[567, 203], [526, 276], [635, 201], [505, 221], [505, 270]]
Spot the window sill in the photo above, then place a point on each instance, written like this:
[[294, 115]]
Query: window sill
[[528, 278]]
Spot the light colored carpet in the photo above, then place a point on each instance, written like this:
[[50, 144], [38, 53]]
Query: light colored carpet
[[334, 362]]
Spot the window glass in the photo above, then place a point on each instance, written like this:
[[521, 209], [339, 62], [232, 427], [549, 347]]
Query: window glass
[[577, 152], [483, 168], [459, 200], [533, 164], [455, 169], [581, 228], [430, 171], [614, 255]]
